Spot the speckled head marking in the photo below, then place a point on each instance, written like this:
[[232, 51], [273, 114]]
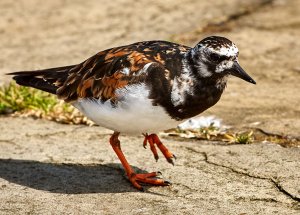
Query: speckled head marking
[[216, 57], [219, 45]]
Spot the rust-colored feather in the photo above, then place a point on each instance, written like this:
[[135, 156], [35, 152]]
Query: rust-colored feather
[[102, 74]]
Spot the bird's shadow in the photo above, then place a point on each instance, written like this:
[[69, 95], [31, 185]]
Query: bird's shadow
[[66, 178]]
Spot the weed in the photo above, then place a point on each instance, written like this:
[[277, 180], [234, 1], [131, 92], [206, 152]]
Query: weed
[[207, 132], [25, 101], [240, 138], [18, 98]]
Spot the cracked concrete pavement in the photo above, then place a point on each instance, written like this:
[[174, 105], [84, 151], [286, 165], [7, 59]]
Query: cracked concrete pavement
[[50, 168], [66, 169]]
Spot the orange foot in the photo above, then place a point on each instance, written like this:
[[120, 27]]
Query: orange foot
[[135, 179], [153, 139], [147, 178]]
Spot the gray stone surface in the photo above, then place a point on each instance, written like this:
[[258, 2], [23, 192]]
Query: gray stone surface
[[64, 169]]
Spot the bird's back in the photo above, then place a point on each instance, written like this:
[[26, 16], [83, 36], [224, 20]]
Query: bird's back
[[100, 75]]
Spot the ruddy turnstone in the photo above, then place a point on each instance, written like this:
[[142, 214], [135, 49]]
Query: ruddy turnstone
[[143, 88]]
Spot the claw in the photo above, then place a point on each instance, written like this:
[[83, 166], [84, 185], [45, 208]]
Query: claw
[[170, 160], [145, 143], [153, 140], [167, 183], [145, 178]]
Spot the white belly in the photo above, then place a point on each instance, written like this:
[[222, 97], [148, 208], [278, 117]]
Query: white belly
[[133, 114]]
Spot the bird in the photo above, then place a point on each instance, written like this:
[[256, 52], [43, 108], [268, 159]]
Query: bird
[[143, 88]]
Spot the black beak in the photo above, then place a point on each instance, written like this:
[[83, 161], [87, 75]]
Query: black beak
[[240, 73]]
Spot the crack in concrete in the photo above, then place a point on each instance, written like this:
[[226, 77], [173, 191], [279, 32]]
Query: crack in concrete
[[57, 133], [8, 141], [258, 199], [284, 191], [272, 180], [275, 27], [250, 10], [12, 142], [46, 134], [223, 24]]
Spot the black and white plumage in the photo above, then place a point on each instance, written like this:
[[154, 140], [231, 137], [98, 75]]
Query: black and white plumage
[[144, 87]]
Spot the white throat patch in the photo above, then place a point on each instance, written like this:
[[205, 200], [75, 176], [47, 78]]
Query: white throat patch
[[203, 70], [182, 85], [224, 66]]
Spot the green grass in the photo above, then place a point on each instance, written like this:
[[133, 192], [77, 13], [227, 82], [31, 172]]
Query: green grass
[[209, 131], [26, 101], [240, 138], [18, 98], [244, 138]]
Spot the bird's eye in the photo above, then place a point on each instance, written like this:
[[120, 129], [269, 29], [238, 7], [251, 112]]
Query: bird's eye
[[217, 58], [221, 58], [214, 57]]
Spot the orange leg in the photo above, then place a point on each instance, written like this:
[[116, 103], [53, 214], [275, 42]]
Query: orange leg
[[146, 178], [153, 139]]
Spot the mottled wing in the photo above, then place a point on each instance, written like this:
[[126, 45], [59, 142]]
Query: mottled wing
[[102, 74]]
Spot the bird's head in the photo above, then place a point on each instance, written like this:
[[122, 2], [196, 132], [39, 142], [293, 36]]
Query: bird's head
[[218, 56]]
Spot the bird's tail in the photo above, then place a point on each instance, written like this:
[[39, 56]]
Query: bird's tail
[[47, 79]]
